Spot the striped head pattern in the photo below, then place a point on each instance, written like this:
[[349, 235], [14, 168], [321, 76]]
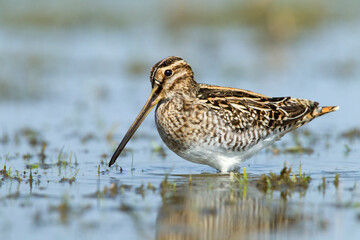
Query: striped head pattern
[[173, 75]]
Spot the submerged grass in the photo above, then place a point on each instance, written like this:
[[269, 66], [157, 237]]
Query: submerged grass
[[336, 180], [6, 173], [299, 150], [64, 159], [286, 182], [66, 211], [240, 179], [70, 180], [158, 149], [112, 191], [304, 141]]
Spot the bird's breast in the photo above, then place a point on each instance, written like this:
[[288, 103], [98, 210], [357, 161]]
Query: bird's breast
[[177, 124], [183, 125]]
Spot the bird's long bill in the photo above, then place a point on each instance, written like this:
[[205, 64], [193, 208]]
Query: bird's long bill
[[151, 102]]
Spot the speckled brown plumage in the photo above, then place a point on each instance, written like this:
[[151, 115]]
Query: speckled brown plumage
[[213, 125]]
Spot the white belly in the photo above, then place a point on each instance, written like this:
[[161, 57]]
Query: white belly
[[222, 159]]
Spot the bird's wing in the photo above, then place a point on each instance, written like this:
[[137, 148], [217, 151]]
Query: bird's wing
[[244, 109]]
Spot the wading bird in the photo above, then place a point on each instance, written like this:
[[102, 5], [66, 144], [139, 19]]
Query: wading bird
[[217, 126]]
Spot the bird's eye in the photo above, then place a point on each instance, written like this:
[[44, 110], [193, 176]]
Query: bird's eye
[[168, 73]]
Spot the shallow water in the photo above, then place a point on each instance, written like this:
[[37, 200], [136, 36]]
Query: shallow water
[[78, 88]]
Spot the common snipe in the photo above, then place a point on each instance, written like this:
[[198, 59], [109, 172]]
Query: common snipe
[[217, 126]]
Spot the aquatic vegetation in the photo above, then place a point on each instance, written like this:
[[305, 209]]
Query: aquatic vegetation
[[32, 136], [140, 190], [4, 173], [151, 187], [70, 180], [88, 137], [157, 148], [240, 179], [336, 180], [286, 182], [27, 156], [322, 186], [63, 209], [347, 149], [124, 207], [66, 211], [351, 134], [64, 159], [4, 139], [113, 191], [298, 150], [304, 142]]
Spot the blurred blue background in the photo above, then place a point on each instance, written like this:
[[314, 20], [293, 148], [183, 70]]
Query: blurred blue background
[[98, 54]]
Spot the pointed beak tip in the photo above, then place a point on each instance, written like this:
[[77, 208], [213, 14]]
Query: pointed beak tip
[[112, 160]]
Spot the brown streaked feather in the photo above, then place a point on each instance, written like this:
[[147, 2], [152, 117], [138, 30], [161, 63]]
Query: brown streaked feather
[[253, 109]]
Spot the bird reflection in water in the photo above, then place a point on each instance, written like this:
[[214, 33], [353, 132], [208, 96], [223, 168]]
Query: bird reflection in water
[[214, 207]]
